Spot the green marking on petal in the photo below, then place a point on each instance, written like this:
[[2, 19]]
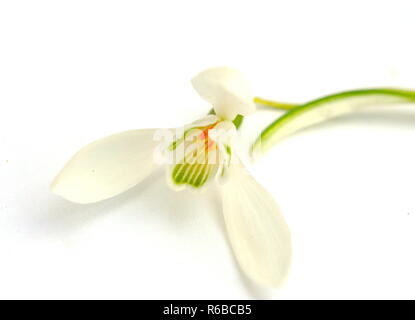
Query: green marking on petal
[[179, 140], [228, 150], [204, 177], [223, 171], [175, 143], [179, 171], [201, 158], [238, 121], [194, 175], [227, 163]]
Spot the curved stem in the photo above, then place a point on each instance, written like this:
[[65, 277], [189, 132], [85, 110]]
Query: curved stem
[[275, 104], [326, 108]]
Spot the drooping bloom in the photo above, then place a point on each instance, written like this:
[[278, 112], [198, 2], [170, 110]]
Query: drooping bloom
[[194, 156]]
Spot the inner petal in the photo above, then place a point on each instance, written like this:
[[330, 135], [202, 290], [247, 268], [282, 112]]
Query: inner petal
[[198, 158]]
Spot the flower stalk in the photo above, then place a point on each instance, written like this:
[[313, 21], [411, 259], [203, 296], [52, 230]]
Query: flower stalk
[[275, 104], [324, 109]]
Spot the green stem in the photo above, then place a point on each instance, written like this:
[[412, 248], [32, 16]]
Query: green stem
[[274, 104], [326, 108]]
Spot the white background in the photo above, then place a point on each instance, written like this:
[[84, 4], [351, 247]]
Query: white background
[[75, 71]]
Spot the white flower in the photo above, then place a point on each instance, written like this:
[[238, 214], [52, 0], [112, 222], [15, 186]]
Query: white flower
[[201, 152]]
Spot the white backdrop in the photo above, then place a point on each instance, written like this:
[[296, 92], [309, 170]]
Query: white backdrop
[[75, 71]]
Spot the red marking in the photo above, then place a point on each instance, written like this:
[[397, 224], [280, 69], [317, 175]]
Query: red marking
[[205, 136]]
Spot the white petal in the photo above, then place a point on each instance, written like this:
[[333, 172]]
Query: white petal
[[223, 133], [203, 122], [227, 90], [107, 167], [256, 228]]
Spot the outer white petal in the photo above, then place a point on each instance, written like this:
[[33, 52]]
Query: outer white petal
[[203, 122], [256, 228], [227, 90], [107, 167]]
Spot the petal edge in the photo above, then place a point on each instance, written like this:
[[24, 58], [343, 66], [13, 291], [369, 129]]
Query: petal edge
[[227, 90], [107, 167], [257, 231]]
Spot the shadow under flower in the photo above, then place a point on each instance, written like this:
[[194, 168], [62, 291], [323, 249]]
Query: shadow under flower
[[59, 217]]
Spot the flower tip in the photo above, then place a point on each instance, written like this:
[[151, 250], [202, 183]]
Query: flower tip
[[275, 282], [58, 189], [54, 187], [75, 193]]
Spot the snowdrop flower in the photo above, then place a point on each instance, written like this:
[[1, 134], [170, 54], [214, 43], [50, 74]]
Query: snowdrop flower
[[198, 154]]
